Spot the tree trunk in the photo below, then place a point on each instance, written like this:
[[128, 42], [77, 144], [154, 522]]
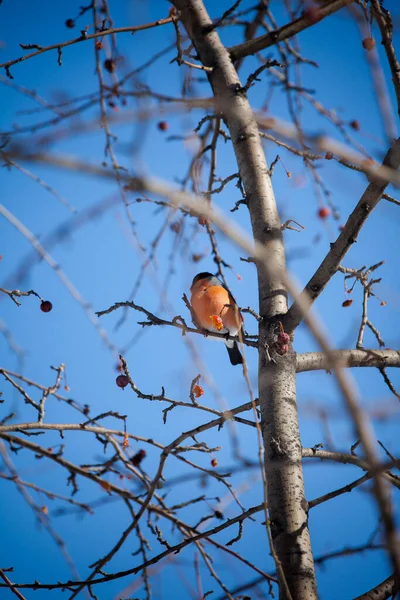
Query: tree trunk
[[277, 380]]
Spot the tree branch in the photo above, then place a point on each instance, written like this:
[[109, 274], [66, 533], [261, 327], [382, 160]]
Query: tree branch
[[316, 361], [346, 239], [82, 38], [284, 32], [384, 20], [383, 591]]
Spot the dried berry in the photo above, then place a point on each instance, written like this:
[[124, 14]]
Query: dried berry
[[110, 65], [99, 45], [329, 155], [122, 381], [283, 338], [283, 349], [162, 125], [138, 457], [70, 23], [214, 462], [46, 306], [355, 125], [368, 43], [198, 391], [347, 303]]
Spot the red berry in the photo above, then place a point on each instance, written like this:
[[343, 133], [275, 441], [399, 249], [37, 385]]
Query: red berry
[[46, 306], [99, 45], [324, 212], [368, 43], [162, 125], [355, 125], [313, 14], [70, 23], [122, 381], [283, 338], [110, 65], [284, 349], [329, 155], [214, 462]]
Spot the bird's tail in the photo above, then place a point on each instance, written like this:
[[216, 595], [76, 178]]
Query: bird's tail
[[234, 354]]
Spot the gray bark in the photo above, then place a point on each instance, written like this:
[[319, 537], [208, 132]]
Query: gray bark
[[383, 591], [277, 380], [316, 361]]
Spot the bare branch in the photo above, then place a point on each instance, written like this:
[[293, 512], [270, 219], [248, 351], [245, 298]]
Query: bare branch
[[346, 239], [316, 361], [383, 591], [285, 32], [82, 38]]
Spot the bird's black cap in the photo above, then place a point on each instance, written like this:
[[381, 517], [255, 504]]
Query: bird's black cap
[[200, 276]]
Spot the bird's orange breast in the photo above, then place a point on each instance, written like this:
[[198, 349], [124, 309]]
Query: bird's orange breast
[[214, 300]]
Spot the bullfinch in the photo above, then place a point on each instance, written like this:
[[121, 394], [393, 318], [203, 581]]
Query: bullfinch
[[215, 310]]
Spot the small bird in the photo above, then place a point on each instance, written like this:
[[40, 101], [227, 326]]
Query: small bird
[[215, 310]]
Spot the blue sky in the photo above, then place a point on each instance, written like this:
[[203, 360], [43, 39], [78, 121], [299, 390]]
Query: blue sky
[[101, 259]]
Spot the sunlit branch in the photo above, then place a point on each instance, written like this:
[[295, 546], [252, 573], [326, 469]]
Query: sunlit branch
[[316, 361], [285, 32]]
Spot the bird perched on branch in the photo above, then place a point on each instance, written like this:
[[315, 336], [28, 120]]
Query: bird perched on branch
[[215, 310]]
